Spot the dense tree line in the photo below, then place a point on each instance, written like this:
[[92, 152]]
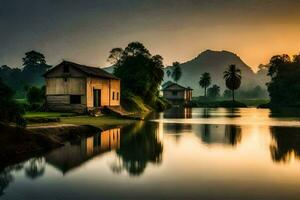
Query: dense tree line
[[30, 74], [284, 87]]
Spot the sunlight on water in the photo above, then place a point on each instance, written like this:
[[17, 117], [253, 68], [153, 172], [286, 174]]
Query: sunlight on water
[[182, 154]]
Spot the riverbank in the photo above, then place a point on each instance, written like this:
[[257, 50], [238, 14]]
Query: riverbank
[[18, 144]]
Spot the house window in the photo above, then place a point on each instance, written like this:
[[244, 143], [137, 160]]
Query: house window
[[66, 69], [174, 93], [117, 95], [113, 96], [75, 99]]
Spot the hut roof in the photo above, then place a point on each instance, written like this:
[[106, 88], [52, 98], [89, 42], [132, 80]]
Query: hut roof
[[91, 71]]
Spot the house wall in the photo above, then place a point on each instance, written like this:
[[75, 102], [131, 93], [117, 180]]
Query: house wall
[[106, 93], [58, 93], [168, 94]]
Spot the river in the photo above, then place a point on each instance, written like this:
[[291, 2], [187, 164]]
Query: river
[[211, 153]]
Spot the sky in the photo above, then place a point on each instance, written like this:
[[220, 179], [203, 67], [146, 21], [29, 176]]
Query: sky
[[85, 31]]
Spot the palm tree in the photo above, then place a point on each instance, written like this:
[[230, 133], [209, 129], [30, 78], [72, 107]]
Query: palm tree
[[205, 81], [176, 73], [232, 77]]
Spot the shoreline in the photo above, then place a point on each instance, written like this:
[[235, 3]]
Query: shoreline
[[19, 144]]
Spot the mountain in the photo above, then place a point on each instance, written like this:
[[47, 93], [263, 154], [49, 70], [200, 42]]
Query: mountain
[[215, 63]]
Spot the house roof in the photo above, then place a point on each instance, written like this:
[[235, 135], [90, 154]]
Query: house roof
[[168, 84], [91, 71]]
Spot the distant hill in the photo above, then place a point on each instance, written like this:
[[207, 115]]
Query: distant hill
[[215, 63]]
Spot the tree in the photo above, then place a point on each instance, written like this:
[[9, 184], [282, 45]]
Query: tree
[[205, 81], [35, 95], [34, 66], [232, 78], [214, 91], [227, 94], [141, 73], [10, 111], [169, 72], [176, 73], [284, 87]]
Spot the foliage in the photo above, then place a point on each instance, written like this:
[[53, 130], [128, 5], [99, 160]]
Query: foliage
[[227, 94], [205, 81], [169, 72], [34, 66], [232, 78], [35, 95], [214, 91], [10, 111], [141, 73], [284, 87], [176, 73], [254, 93]]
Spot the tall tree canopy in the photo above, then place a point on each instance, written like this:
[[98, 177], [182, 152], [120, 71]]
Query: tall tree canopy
[[284, 87], [205, 81], [176, 72], [34, 66], [140, 72], [233, 78]]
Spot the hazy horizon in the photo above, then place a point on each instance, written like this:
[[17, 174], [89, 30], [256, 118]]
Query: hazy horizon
[[85, 31]]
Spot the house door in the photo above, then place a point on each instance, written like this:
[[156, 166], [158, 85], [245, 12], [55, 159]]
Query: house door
[[97, 97]]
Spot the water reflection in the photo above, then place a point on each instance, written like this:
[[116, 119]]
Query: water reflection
[[286, 144], [140, 144], [35, 167], [74, 154], [178, 112], [221, 134]]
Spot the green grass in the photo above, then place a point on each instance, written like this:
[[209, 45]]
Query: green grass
[[46, 114], [105, 121]]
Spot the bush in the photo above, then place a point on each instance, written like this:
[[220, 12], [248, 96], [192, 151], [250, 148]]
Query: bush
[[10, 110]]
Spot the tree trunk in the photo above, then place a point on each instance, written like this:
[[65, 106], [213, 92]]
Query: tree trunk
[[205, 91], [233, 95]]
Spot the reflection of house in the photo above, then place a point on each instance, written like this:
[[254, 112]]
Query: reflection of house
[[176, 93], [178, 112], [73, 155], [74, 87]]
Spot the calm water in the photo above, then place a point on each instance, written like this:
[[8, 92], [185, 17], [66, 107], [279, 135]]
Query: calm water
[[181, 154]]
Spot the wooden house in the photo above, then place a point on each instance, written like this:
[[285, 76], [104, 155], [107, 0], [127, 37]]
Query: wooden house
[[176, 93], [79, 88]]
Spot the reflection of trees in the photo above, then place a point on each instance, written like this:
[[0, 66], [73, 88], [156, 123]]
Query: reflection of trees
[[6, 176], [286, 143], [139, 147], [233, 134], [35, 167], [221, 134]]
